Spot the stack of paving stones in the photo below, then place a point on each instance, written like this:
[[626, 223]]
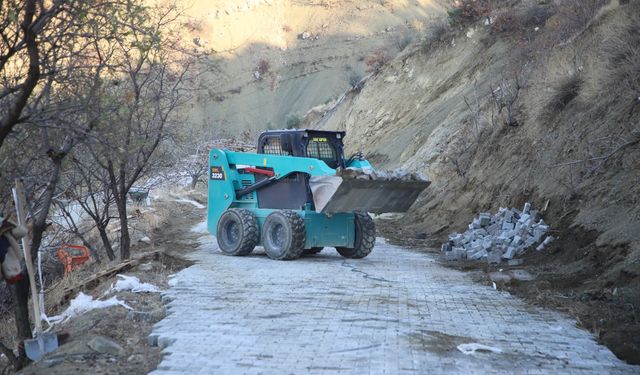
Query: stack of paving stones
[[503, 236]]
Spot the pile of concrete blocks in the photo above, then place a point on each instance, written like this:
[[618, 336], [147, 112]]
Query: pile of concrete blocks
[[371, 174], [502, 236]]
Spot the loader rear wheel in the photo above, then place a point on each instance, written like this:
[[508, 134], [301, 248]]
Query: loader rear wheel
[[283, 235], [237, 232], [365, 237], [312, 251]]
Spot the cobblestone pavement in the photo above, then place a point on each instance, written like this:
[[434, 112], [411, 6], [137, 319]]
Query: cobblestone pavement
[[394, 312]]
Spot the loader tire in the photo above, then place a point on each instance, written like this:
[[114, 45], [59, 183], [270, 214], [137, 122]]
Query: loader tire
[[283, 235], [312, 251], [237, 232], [365, 237]]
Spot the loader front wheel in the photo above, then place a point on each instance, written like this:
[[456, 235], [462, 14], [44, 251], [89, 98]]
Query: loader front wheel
[[283, 235], [237, 232], [365, 237]]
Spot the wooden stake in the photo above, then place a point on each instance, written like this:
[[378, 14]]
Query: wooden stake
[[19, 199]]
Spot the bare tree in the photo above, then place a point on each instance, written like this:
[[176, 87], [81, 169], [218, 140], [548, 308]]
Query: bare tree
[[150, 76], [60, 65]]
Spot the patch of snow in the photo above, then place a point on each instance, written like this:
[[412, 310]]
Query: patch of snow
[[190, 201], [473, 347], [133, 284], [200, 228], [83, 303]]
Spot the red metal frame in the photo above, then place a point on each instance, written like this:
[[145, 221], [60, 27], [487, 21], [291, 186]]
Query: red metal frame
[[71, 262], [258, 171]]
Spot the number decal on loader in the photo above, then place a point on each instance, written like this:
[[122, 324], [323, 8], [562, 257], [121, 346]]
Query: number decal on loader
[[316, 139], [217, 173]]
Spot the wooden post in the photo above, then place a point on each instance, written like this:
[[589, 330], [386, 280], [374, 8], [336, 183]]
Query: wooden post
[[21, 288]]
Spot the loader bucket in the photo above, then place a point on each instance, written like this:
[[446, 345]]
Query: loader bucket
[[332, 194]]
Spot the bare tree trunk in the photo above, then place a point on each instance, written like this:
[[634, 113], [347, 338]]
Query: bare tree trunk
[[106, 243], [125, 239], [21, 297], [40, 220], [194, 182]]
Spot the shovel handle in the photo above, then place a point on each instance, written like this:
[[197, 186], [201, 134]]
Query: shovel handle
[[19, 199]]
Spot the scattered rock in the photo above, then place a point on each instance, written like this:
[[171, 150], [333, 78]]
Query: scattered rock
[[521, 275], [145, 239], [515, 262], [145, 316], [499, 277], [136, 358], [145, 267], [152, 340], [105, 345]]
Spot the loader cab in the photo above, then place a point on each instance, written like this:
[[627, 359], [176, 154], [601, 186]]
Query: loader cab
[[323, 145]]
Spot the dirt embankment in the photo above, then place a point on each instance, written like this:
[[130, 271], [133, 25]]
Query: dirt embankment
[[294, 55], [114, 339], [540, 105]]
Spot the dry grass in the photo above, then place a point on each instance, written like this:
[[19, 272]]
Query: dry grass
[[572, 18], [621, 49]]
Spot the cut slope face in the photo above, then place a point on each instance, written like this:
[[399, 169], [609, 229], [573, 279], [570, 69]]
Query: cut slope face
[[541, 108], [272, 60]]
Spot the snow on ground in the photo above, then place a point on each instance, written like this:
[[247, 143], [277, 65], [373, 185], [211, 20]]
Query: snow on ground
[[189, 201], [200, 228], [83, 303], [133, 284]]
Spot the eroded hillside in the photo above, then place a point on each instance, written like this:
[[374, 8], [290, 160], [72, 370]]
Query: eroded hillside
[[534, 101], [293, 56]]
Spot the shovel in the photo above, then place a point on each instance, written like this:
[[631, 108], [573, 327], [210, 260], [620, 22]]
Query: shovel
[[43, 343]]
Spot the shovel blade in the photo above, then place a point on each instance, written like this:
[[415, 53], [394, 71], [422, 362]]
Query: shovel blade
[[41, 345], [376, 196]]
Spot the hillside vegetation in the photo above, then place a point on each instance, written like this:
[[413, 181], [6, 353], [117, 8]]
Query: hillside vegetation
[[513, 101]]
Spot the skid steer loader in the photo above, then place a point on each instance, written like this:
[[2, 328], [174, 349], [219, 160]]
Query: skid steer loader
[[288, 198]]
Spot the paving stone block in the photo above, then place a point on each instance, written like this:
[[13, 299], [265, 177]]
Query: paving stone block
[[508, 226], [494, 257], [510, 253]]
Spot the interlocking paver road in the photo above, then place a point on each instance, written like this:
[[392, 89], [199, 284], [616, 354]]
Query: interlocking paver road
[[394, 312]]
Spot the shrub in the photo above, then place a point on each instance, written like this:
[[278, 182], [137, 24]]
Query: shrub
[[435, 35], [263, 67], [621, 49], [574, 16], [293, 121], [507, 21], [376, 61], [467, 12]]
